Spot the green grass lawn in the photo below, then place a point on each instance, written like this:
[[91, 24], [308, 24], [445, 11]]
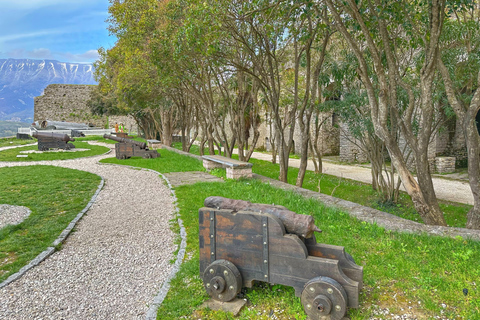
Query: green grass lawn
[[401, 271], [11, 154], [420, 274], [54, 195], [6, 142], [169, 161], [358, 192]]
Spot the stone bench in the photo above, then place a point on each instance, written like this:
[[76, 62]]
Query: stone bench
[[154, 144], [235, 169]]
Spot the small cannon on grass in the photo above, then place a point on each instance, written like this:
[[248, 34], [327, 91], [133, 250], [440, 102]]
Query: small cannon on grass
[[126, 148], [77, 133], [241, 242], [51, 140]]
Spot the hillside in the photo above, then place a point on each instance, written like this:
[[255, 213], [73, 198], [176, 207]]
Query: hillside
[[9, 128], [23, 79]]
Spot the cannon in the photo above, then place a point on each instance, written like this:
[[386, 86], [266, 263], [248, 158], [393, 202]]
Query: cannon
[[77, 133], [51, 140], [239, 247], [126, 148]]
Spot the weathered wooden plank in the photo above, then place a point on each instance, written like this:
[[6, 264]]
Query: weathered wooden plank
[[250, 242], [288, 244], [349, 267], [287, 270]]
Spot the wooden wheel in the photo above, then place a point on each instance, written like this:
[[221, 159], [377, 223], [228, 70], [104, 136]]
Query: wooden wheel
[[222, 280], [324, 298]]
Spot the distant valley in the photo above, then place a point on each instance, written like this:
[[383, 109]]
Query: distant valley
[[23, 79], [9, 128]]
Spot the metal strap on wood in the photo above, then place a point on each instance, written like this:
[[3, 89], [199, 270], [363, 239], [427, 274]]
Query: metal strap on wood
[[265, 263], [213, 236]]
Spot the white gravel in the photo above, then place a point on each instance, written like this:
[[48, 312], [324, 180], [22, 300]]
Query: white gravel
[[12, 214], [115, 262]]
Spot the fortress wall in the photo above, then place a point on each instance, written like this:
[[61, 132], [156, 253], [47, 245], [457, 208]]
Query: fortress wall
[[65, 102], [68, 102]]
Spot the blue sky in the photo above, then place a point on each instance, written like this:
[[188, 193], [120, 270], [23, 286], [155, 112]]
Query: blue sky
[[63, 30]]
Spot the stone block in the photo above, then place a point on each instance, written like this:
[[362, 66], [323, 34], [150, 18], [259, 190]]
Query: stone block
[[154, 144], [445, 164], [233, 306], [209, 165], [237, 173]]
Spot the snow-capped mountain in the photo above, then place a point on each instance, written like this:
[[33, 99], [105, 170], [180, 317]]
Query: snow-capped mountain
[[23, 79]]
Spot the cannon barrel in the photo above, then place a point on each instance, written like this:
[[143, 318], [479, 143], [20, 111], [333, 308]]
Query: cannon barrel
[[299, 224], [57, 136], [142, 145]]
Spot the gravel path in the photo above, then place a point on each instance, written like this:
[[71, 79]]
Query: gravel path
[[446, 189], [115, 262]]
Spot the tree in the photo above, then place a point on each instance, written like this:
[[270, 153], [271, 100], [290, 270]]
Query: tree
[[460, 69], [258, 30], [397, 54]]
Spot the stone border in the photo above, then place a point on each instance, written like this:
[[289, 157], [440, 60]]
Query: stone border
[[370, 215], [157, 301], [188, 154], [50, 250], [374, 216]]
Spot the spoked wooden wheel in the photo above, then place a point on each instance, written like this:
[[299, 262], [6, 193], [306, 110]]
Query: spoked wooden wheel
[[324, 298], [222, 280]]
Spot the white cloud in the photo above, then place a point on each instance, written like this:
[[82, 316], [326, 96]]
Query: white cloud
[[40, 53], [30, 35], [86, 57]]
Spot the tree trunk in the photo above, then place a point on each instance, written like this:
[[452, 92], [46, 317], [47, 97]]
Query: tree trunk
[[473, 147], [431, 214], [467, 118]]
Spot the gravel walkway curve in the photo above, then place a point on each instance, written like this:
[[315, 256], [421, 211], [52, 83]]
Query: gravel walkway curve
[[115, 262]]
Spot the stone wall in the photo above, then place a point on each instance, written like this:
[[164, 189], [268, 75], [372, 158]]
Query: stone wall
[[128, 122], [64, 102], [329, 137], [350, 150], [67, 102]]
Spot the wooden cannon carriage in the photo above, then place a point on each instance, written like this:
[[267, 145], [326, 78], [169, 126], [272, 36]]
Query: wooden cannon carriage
[[126, 148], [238, 248], [51, 140]]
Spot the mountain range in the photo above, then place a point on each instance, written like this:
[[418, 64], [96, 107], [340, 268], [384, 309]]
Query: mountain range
[[23, 79]]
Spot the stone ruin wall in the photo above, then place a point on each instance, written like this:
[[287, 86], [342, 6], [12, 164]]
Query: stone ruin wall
[[67, 102], [350, 151], [64, 102], [328, 140]]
